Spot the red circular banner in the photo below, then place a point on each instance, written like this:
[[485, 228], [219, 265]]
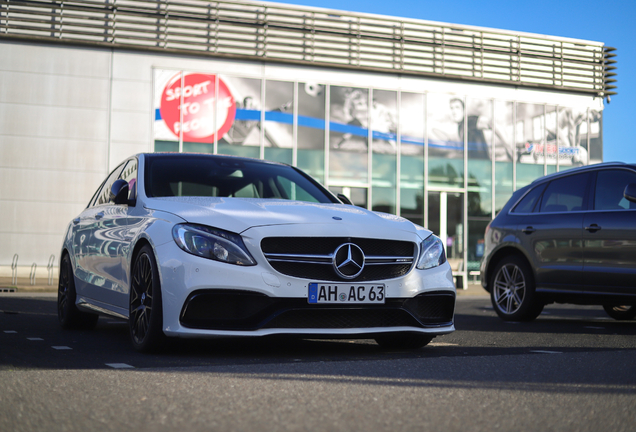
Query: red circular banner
[[198, 107]]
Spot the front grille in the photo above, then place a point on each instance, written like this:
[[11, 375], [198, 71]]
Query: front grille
[[311, 257], [247, 310], [326, 245]]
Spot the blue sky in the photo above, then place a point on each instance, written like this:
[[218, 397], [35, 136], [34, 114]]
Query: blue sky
[[612, 22]]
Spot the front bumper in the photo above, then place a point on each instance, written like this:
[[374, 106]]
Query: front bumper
[[205, 298], [250, 311]]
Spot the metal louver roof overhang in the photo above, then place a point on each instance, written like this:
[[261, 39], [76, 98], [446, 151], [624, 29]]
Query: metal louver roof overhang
[[319, 37]]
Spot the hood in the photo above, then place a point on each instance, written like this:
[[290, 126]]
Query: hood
[[240, 214]]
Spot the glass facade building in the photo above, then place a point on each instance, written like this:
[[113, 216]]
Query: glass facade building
[[438, 123], [445, 161]]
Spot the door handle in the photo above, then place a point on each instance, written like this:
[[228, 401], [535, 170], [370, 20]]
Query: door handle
[[593, 228], [99, 215], [528, 230]]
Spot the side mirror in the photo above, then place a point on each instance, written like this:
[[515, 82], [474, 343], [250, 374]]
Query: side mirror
[[630, 192], [119, 192], [344, 199]]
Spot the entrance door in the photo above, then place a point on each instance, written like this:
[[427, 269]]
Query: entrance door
[[446, 220]]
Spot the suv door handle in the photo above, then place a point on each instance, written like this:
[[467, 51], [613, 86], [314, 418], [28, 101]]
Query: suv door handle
[[593, 228], [528, 230]]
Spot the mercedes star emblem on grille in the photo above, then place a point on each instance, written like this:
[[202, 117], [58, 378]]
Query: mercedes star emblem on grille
[[348, 261]]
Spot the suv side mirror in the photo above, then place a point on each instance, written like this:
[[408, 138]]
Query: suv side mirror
[[119, 192], [630, 192], [344, 199]]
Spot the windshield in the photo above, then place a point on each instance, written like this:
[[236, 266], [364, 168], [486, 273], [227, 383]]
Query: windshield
[[219, 176]]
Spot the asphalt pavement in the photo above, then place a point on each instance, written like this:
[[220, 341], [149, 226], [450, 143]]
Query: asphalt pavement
[[570, 370]]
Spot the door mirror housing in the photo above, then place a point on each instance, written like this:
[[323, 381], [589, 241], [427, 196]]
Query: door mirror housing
[[630, 192], [119, 192]]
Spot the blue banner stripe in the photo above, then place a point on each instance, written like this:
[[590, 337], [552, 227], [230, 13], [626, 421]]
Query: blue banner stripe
[[316, 123], [279, 117], [311, 122], [243, 114], [345, 128]]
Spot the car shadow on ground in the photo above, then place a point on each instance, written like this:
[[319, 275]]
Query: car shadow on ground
[[479, 333]]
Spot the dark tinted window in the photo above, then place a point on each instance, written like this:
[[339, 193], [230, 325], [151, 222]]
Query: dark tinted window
[[565, 194], [168, 176], [610, 185], [528, 203]]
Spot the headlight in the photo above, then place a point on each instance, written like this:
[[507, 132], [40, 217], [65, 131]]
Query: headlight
[[212, 243], [431, 253]]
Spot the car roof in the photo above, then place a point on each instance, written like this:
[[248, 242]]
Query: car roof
[[584, 169]]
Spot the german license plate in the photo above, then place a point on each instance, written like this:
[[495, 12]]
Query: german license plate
[[346, 293]]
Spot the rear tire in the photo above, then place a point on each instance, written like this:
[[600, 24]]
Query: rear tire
[[146, 312], [70, 317], [621, 313], [398, 341], [512, 292]]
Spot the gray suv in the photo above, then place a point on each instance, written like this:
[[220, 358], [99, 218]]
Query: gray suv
[[569, 237]]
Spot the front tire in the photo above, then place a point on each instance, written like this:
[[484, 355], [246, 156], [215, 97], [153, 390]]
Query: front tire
[[70, 317], [146, 313], [621, 313], [399, 341], [512, 292]]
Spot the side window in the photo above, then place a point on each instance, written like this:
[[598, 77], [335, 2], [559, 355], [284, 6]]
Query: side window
[[565, 194], [529, 202], [102, 196], [129, 173], [610, 185]]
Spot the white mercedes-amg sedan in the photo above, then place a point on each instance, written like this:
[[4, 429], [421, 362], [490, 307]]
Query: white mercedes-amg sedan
[[195, 246]]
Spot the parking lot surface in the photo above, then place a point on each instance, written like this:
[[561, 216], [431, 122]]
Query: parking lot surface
[[571, 369]]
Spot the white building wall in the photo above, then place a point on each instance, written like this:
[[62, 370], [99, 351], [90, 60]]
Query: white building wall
[[69, 115], [53, 143]]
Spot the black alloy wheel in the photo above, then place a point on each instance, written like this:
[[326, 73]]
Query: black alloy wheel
[[512, 291], [621, 313], [146, 315], [400, 341], [69, 316]]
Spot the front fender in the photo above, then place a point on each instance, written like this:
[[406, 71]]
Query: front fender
[[510, 245]]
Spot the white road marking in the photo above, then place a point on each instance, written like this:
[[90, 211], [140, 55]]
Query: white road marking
[[61, 347], [10, 331], [546, 352], [441, 344], [120, 365], [35, 339]]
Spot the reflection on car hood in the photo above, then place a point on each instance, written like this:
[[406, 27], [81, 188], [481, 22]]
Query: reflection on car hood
[[240, 214]]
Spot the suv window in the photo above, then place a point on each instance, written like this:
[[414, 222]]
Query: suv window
[[610, 185], [528, 203], [565, 194]]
